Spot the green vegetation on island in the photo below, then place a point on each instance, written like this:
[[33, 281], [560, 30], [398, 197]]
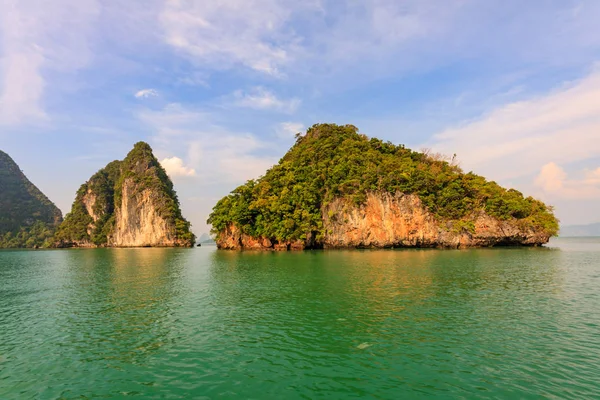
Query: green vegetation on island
[[92, 220], [332, 161], [79, 225], [27, 217]]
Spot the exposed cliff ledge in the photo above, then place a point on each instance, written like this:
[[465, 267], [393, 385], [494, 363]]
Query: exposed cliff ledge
[[129, 203], [386, 221], [337, 189]]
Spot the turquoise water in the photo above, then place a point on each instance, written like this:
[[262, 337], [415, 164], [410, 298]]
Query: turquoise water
[[387, 324]]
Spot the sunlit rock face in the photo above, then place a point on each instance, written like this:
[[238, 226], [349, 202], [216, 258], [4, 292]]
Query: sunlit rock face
[[386, 220]]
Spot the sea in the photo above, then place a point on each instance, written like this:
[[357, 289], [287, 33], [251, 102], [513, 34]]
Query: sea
[[201, 323]]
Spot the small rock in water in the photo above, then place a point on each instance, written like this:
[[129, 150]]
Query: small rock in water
[[341, 319], [364, 345]]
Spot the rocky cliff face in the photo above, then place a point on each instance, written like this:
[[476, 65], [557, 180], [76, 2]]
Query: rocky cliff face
[[400, 220], [383, 221], [27, 217], [390, 221], [129, 203], [138, 221]]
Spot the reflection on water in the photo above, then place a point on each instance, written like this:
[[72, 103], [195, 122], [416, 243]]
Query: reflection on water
[[184, 323], [373, 287], [128, 297]]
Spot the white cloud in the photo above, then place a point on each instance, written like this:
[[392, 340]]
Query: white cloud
[[233, 155], [517, 139], [253, 33], [22, 88], [271, 36], [38, 38], [220, 157], [260, 98], [593, 177], [551, 178], [555, 183], [318, 42], [289, 129], [175, 168], [331, 40], [146, 93]]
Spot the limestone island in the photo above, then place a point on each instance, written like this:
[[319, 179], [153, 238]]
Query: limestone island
[[129, 203], [28, 219], [337, 188]]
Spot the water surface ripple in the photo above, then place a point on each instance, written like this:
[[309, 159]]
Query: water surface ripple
[[388, 324]]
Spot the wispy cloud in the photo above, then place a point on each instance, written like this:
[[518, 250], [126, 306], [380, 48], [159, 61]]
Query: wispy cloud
[[220, 158], [145, 93], [260, 98], [22, 89], [517, 139], [274, 36], [555, 182], [38, 37], [289, 129], [222, 34], [235, 156]]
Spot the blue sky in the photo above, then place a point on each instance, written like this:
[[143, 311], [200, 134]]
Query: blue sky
[[219, 88]]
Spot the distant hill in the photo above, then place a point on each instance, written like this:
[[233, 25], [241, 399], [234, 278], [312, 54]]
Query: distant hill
[[580, 230], [206, 239], [203, 237], [27, 217]]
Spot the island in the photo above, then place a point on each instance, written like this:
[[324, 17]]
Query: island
[[338, 188], [129, 203]]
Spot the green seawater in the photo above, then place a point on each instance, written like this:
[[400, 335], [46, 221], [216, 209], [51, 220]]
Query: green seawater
[[382, 324]]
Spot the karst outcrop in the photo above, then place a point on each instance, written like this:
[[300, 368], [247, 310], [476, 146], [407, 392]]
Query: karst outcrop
[[129, 203], [337, 188]]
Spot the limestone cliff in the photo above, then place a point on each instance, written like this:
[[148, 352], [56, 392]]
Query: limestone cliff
[[337, 188], [386, 221], [27, 217], [401, 220], [129, 203]]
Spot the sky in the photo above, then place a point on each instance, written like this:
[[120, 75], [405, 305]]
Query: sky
[[220, 88]]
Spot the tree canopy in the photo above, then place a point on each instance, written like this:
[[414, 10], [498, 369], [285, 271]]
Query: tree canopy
[[27, 217], [336, 161]]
